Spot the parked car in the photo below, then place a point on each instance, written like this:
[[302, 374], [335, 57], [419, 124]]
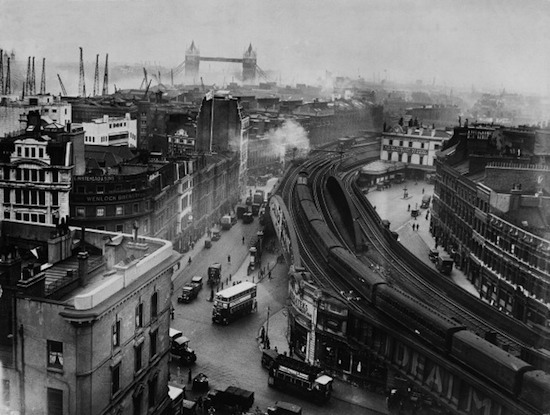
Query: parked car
[[284, 408], [216, 235], [433, 255], [188, 293]]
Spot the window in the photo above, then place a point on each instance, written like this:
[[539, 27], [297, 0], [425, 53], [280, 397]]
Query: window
[[55, 199], [152, 391], [133, 187], [401, 144], [41, 152], [421, 160], [33, 152], [55, 354], [7, 193], [100, 189], [34, 175], [137, 357], [137, 403], [119, 228], [153, 340], [410, 143], [139, 315], [17, 174], [120, 210], [100, 211], [116, 334], [80, 212], [42, 176], [115, 379], [55, 176], [26, 152], [55, 401], [136, 207], [154, 305], [19, 153]]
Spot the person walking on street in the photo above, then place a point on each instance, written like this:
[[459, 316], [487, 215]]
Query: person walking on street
[[269, 275], [229, 258], [189, 375], [408, 208], [243, 240]]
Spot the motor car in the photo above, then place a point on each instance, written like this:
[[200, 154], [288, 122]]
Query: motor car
[[197, 280], [188, 293], [200, 382]]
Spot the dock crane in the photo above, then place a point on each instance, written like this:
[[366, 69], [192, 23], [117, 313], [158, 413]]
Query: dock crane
[[63, 90], [144, 80]]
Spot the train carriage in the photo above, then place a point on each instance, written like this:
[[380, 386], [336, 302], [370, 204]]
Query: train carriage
[[486, 358], [425, 321], [535, 390], [355, 272]]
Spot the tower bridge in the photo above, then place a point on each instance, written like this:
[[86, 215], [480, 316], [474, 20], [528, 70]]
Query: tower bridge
[[248, 61]]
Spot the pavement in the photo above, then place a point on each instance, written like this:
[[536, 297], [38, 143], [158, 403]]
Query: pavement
[[391, 204]]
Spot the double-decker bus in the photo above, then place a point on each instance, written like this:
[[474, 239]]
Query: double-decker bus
[[234, 302], [296, 376]]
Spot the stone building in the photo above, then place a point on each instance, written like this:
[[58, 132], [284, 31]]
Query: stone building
[[90, 322]]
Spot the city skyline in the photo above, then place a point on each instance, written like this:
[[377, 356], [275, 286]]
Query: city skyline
[[495, 44]]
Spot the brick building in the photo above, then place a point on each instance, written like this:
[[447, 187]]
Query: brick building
[[491, 212]]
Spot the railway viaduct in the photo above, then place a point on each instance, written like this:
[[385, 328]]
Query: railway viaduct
[[457, 389]]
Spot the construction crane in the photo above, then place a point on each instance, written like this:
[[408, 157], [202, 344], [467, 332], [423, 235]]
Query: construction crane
[[81, 81], [7, 87], [144, 80], [147, 89], [106, 76], [2, 90], [43, 79], [63, 90], [96, 76], [33, 80]]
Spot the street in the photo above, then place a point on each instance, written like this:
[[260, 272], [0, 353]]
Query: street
[[230, 355]]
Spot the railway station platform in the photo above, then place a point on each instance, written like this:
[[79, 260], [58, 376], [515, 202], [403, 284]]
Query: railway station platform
[[395, 204]]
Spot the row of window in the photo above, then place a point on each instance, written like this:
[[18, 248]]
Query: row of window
[[401, 143], [27, 217], [31, 197], [138, 319], [31, 175], [117, 125], [101, 211], [30, 151], [404, 158], [101, 189]]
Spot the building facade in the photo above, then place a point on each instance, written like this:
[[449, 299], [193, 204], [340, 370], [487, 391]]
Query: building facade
[[101, 342], [492, 217], [111, 131], [37, 170]]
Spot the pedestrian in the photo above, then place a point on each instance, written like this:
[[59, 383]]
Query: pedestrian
[[417, 226], [422, 190], [412, 224], [229, 258], [276, 351], [427, 213], [212, 294], [262, 334], [243, 240], [189, 375], [189, 260], [269, 275], [408, 208], [172, 312]]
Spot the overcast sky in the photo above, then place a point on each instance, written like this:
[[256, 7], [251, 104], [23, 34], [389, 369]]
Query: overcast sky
[[498, 43]]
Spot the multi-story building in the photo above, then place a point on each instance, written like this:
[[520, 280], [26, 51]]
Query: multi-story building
[[222, 127], [37, 169], [490, 211], [111, 131], [13, 114], [89, 329]]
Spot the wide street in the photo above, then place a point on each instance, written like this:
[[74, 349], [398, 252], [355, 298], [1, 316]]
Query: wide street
[[230, 355]]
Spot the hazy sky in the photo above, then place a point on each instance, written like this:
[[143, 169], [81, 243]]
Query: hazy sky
[[498, 43]]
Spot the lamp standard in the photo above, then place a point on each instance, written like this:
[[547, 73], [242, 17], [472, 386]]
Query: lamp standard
[[266, 343]]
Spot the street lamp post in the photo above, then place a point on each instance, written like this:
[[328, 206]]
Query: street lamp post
[[266, 343]]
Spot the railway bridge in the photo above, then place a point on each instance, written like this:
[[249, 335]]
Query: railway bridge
[[357, 341]]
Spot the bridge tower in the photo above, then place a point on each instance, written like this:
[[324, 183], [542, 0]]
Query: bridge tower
[[192, 60], [249, 65]]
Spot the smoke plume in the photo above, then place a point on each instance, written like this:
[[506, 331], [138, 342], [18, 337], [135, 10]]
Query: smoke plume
[[288, 137]]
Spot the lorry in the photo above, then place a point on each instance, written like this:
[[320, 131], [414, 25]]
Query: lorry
[[425, 201], [299, 377], [444, 264], [229, 400], [258, 197], [241, 210], [248, 218], [188, 293], [179, 347], [214, 274], [226, 222], [284, 408]]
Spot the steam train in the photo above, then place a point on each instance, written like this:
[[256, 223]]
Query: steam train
[[452, 339]]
